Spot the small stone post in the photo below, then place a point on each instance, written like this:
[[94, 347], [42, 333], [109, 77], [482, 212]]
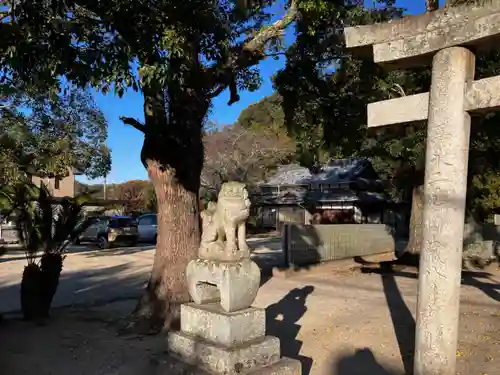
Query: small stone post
[[444, 212]]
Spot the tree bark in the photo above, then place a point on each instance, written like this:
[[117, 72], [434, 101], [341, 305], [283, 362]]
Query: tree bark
[[173, 156], [416, 220], [431, 5], [177, 243]]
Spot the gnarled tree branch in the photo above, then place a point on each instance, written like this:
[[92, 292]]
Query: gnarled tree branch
[[134, 123], [250, 53]]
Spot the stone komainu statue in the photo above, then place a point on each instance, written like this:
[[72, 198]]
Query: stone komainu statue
[[224, 271], [223, 228]]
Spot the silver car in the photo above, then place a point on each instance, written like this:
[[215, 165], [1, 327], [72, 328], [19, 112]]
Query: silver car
[[147, 226]]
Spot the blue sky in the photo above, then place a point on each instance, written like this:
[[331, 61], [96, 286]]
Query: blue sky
[[125, 142]]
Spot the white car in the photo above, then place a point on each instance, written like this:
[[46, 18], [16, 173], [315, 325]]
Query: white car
[[147, 226]]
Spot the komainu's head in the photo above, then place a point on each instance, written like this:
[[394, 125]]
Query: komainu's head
[[233, 189], [235, 194]]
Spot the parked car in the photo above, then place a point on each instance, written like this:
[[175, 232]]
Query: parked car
[[147, 226], [8, 233], [108, 231]]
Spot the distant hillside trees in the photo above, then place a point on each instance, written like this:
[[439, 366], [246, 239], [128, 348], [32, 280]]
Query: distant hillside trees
[[246, 154], [137, 195]]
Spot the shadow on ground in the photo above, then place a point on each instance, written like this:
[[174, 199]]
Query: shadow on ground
[[401, 316], [478, 279], [89, 287], [120, 250], [402, 320], [281, 321], [362, 362], [12, 254]]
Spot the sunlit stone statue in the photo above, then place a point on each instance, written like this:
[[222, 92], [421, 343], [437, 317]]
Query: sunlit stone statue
[[223, 271]]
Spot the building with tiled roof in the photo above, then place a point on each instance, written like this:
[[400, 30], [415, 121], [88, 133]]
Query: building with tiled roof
[[294, 193]]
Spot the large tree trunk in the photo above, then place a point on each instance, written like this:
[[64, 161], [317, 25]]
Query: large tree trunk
[[173, 156], [416, 220]]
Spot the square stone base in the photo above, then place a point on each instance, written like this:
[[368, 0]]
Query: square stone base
[[285, 366], [222, 360], [215, 342], [210, 322]]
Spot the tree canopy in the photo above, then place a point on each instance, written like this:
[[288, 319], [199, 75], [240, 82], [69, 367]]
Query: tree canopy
[[266, 114], [207, 45], [49, 134], [326, 112], [180, 54]]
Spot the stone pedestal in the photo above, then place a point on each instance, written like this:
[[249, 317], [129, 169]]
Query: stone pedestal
[[233, 284], [214, 341], [221, 334]]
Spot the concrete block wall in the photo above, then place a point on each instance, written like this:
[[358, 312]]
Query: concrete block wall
[[316, 243]]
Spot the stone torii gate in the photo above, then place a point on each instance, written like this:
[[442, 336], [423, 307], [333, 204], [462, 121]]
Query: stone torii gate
[[445, 38]]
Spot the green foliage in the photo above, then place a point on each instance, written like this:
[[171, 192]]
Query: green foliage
[[151, 201], [43, 223], [176, 43], [326, 110], [179, 53], [485, 194], [266, 114], [48, 135], [45, 226]]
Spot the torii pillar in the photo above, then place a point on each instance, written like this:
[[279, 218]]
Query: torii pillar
[[446, 39]]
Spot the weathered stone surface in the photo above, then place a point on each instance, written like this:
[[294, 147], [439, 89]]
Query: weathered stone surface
[[402, 110], [223, 271], [234, 284], [223, 231], [221, 360], [454, 18], [442, 36], [481, 95], [409, 50], [212, 323], [285, 366], [412, 25], [445, 191]]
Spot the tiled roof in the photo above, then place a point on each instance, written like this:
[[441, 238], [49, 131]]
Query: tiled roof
[[334, 172], [293, 195], [297, 185], [304, 196]]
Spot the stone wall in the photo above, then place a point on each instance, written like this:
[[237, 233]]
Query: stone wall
[[480, 241], [305, 244]]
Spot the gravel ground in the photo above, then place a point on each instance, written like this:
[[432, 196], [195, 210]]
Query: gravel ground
[[337, 321]]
